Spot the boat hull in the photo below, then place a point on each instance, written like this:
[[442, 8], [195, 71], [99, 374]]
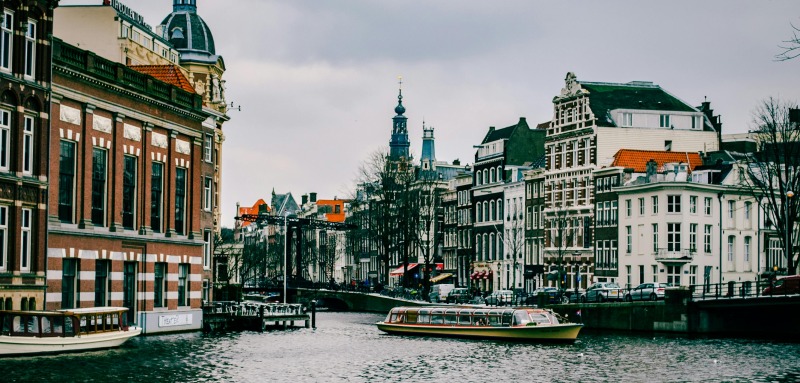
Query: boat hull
[[22, 345], [546, 333]]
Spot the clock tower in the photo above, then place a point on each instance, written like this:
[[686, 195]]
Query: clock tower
[[398, 146]]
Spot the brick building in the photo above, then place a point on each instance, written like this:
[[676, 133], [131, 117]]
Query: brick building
[[126, 192], [24, 123]]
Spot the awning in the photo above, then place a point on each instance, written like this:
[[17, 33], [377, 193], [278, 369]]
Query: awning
[[441, 277], [399, 270]]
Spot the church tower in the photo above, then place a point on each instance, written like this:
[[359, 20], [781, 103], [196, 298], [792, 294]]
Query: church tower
[[428, 158], [398, 146]]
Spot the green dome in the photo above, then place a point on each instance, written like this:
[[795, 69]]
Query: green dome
[[189, 33]]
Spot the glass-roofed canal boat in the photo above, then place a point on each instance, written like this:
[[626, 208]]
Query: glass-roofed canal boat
[[520, 324]]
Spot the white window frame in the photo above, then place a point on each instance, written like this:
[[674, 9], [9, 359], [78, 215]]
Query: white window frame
[[25, 240], [707, 239], [654, 201], [693, 237], [663, 121], [207, 236], [3, 238], [627, 119], [731, 248], [27, 146], [207, 196], [5, 140], [747, 248], [209, 142], [673, 236], [674, 203], [30, 49], [6, 40], [707, 205], [693, 204]]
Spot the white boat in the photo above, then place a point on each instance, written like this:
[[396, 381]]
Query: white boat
[[519, 324], [45, 332]]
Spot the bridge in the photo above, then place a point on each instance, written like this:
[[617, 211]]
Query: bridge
[[341, 300]]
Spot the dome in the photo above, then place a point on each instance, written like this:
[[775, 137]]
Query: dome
[[400, 109], [189, 33]]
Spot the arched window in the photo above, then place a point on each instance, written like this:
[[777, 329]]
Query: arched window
[[491, 246], [492, 212], [478, 247], [500, 208], [479, 212], [485, 176], [485, 211], [485, 247], [499, 174], [491, 175]]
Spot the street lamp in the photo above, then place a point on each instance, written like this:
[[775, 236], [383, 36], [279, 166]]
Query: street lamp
[[499, 276], [789, 195], [578, 273]]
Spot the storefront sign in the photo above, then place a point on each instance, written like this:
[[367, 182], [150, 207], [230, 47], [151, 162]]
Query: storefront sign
[[174, 320]]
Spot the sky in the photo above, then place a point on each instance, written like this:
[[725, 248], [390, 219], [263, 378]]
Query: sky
[[317, 80]]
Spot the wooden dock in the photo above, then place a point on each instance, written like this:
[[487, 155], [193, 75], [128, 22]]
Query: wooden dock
[[255, 316]]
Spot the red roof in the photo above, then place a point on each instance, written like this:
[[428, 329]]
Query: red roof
[[252, 210], [169, 74], [637, 159]]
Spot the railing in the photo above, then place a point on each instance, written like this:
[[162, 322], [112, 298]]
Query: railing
[[254, 309], [732, 289]]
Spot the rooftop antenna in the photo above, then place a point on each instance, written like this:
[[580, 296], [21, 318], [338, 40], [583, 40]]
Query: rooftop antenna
[[236, 108]]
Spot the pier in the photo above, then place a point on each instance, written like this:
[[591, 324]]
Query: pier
[[255, 316]]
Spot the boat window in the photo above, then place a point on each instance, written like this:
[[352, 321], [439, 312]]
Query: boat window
[[521, 318], [437, 319], [465, 319], [6, 325], [450, 319], [424, 317], [69, 326], [540, 318], [411, 317], [507, 315], [33, 325]]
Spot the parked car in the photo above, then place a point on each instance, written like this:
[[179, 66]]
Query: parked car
[[459, 295], [499, 298], [647, 292], [601, 292], [554, 295], [785, 285], [439, 292]]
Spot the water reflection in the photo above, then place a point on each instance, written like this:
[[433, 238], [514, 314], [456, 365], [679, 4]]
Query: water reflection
[[348, 347]]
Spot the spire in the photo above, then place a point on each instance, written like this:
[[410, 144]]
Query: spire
[[398, 146], [400, 109], [428, 148]]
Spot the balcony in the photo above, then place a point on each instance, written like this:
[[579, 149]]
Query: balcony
[[680, 256]]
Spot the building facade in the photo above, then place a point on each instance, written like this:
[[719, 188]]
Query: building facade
[[25, 60], [125, 197]]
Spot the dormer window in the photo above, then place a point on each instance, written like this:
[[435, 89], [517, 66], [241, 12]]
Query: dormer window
[[627, 119]]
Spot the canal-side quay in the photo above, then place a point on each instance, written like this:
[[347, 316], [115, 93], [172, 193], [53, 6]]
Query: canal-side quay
[[681, 312]]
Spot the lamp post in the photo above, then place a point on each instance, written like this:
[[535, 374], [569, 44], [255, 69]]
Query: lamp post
[[285, 251], [499, 276], [578, 273], [787, 241]]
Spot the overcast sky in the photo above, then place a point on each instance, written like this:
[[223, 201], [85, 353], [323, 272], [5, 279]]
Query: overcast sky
[[317, 80]]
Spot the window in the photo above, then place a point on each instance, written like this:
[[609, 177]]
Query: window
[[641, 206], [66, 181], [102, 283], [25, 240], [129, 192], [663, 121], [207, 236], [654, 200], [673, 237], [99, 172], [3, 236], [30, 49], [673, 204], [693, 237], [6, 36], [693, 204], [655, 237], [156, 196], [695, 122], [180, 200], [5, 139], [628, 204], [674, 275], [747, 241], [68, 283], [692, 275], [731, 247], [668, 145], [627, 119], [707, 239], [707, 205], [748, 210], [207, 149], [628, 239], [491, 175], [27, 146], [159, 284], [207, 194], [183, 275], [731, 208]]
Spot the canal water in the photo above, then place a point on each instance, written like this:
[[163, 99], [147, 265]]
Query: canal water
[[347, 347]]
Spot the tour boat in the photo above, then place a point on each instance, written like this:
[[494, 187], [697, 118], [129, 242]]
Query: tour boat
[[44, 332], [521, 324]]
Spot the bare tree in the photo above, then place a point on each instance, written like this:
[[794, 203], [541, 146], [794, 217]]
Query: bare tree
[[773, 173], [513, 237], [561, 235], [424, 214], [791, 47]]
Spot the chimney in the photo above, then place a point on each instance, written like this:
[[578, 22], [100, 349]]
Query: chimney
[[313, 197], [304, 198]]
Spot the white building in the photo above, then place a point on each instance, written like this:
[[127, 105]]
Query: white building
[[513, 231], [688, 229]]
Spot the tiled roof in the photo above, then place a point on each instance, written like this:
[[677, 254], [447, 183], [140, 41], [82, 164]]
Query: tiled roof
[[637, 159], [504, 133], [605, 97], [169, 74], [252, 210]]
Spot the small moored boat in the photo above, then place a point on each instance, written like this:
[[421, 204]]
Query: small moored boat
[[43, 332], [522, 324]]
